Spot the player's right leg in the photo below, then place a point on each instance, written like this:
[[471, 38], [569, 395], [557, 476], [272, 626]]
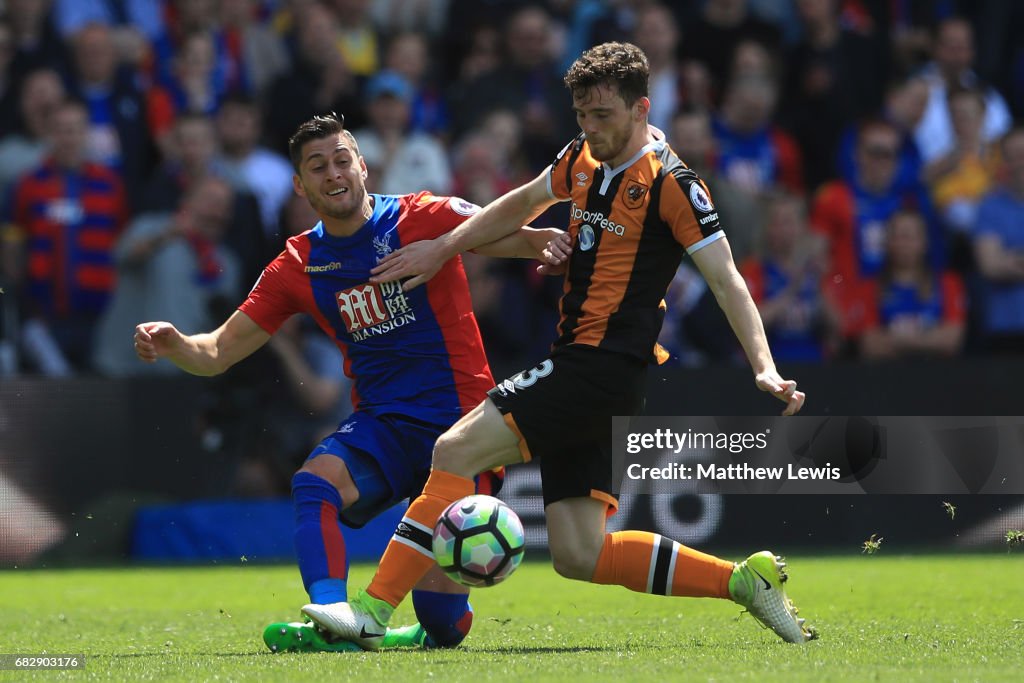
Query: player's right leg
[[321, 489], [341, 481], [480, 441]]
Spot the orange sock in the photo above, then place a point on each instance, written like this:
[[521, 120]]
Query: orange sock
[[409, 553], [649, 563]]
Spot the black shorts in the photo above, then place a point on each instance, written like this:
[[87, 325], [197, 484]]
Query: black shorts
[[562, 409]]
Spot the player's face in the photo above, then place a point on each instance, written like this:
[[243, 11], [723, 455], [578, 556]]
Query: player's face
[[608, 123], [331, 178]]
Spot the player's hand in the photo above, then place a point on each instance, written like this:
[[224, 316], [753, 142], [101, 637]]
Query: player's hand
[[155, 340], [555, 254], [782, 389], [419, 261]]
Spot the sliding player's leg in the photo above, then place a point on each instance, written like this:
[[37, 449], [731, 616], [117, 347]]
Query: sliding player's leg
[[350, 478], [443, 610], [480, 441]]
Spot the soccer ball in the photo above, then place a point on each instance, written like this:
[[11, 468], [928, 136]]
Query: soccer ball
[[478, 541]]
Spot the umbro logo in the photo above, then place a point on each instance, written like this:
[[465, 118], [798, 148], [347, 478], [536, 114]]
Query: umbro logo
[[582, 178]]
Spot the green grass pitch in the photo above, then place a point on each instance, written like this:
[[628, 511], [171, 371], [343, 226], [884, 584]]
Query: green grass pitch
[[927, 618]]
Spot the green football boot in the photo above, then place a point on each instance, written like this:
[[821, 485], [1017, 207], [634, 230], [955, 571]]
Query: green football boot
[[297, 636], [300, 636], [756, 583]]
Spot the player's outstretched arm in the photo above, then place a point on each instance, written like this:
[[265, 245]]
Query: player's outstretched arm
[[716, 265], [206, 354], [420, 261], [551, 246]]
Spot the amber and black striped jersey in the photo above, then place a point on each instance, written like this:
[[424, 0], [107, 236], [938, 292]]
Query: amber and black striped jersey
[[629, 226]]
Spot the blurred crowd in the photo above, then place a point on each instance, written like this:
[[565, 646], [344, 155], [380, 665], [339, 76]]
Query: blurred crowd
[[863, 155]]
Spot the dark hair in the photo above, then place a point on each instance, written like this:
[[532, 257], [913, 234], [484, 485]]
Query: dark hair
[[239, 98], [622, 65], [317, 128]]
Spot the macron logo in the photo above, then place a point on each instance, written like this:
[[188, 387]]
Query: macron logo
[[333, 265]]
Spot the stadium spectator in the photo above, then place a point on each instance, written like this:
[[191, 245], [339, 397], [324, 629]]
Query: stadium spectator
[[36, 42], [832, 81], [25, 146], [185, 18], [694, 331], [716, 31], [506, 134], [319, 79], [135, 25], [255, 54], [525, 83], [399, 161], [483, 54], [357, 36], [1000, 56], [852, 214], [171, 266], [409, 56], [190, 153], [999, 249], [9, 91], [950, 68], [400, 16], [912, 309], [479, 175], [905, 101], [193, 87], [657, 35], [69, 212], [959, 178], [754, 153], [910, 26], [692, 139], [195, 155], [751, 58], [788, 282], [248, 165], [472, 26], [118, 136]]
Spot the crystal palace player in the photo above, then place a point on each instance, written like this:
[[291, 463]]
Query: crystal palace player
[[416, 357], [635, 209]]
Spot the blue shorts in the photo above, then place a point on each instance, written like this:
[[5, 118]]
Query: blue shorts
[[388, 458]]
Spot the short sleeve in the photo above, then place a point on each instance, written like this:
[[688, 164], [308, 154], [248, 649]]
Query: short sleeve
[[270, 303], [435, 216], [558, 180], [687, 208]]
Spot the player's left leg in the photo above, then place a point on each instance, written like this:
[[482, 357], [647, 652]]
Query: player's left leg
[[443, 609], [444, 613], [650, 563], [639, 560]]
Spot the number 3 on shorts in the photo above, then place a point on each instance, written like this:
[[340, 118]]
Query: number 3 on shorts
[[528, 378]]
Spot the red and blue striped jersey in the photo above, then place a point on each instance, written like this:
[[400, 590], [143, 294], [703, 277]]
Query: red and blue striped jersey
[[71, 220], [415, 353]]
